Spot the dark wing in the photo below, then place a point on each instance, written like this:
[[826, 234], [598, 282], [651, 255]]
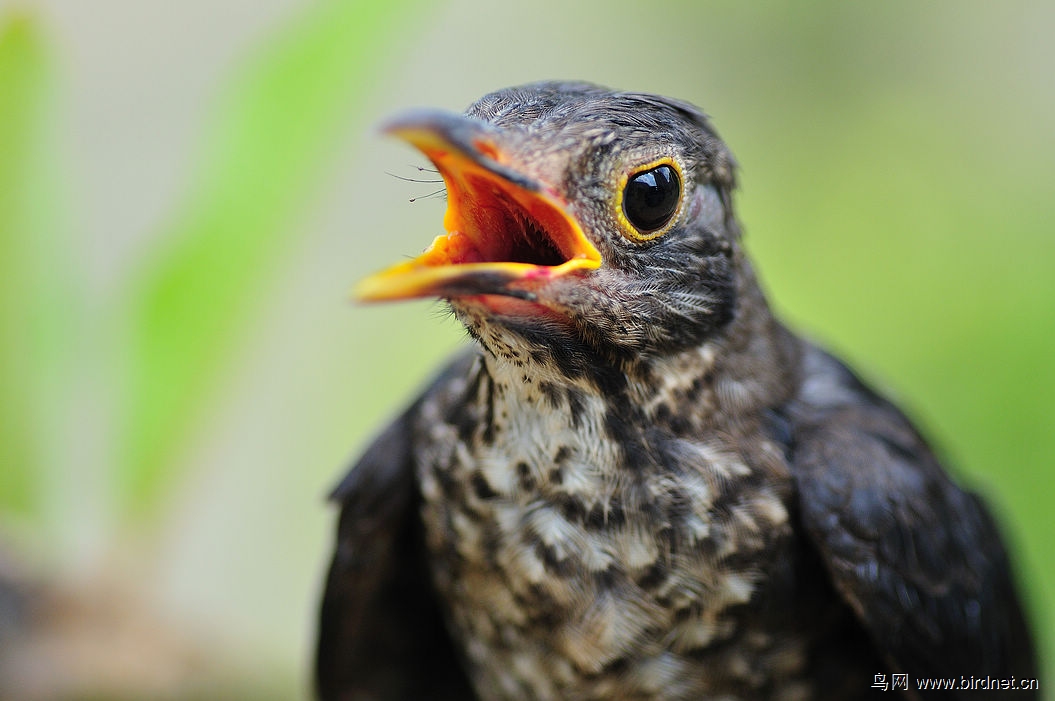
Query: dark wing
[[381, 633], [918, 560]]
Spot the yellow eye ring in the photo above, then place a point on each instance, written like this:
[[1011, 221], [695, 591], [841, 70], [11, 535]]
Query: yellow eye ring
[[649, 199]]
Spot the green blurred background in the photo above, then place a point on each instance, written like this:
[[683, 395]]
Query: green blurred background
[[187, 191]]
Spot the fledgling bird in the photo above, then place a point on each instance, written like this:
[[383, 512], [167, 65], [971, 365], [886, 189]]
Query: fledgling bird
[[638, 484]]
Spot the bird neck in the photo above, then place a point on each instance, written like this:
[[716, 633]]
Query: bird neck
[[752, 363]]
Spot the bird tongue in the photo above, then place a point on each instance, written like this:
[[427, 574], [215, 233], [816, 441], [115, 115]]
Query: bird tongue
[[506, 234]]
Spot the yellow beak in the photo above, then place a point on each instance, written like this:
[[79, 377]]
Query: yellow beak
[[507, 234]]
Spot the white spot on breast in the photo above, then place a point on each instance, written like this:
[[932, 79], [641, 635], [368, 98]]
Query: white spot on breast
[[581, 480], [522, 563], [736, 589], [692, 634], [770, 508], [699, 528], [498, 472], [598, 555], [675, 375], [664, 674], [555, 531], [636, 547], [608, 630]]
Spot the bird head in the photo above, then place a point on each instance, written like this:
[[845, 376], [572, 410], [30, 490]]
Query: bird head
[[578, 217]]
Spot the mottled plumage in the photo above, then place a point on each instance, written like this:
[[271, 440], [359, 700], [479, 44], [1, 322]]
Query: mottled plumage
[[638, 484]]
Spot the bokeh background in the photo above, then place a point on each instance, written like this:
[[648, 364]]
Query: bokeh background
[[187, 191]]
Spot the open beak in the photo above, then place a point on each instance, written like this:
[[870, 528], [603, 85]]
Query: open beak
[[507, 234]]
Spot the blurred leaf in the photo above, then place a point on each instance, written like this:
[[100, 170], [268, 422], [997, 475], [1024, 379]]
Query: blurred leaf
[[30, 303], [263, 159]]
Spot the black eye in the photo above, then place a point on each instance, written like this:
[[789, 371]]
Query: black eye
[[651, 197]]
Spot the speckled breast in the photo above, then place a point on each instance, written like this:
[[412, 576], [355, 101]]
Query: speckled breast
[[578, 564]]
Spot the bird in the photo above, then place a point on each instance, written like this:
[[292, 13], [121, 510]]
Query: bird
[[637, 482]]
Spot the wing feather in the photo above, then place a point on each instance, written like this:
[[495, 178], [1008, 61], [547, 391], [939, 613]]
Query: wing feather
[[381, 632], [919, 560]]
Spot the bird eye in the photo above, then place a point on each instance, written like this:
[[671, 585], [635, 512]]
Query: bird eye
[[651, 197]]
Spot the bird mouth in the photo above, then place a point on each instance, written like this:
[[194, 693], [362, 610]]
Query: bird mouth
[[507, 233]]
